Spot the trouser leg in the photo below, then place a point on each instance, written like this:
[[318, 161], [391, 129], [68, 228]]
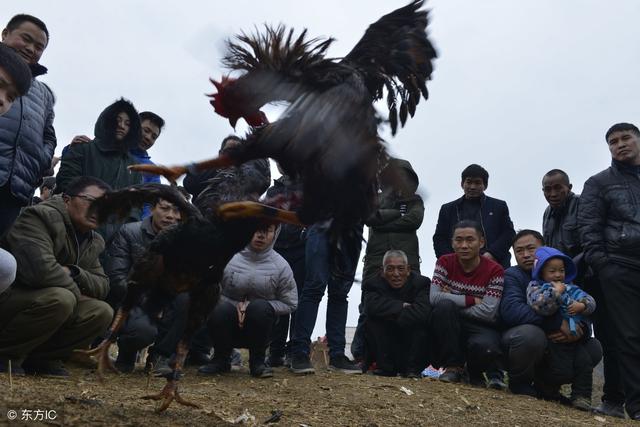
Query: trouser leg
[[483, 352], [223, 327], [524, 346], [446, 335], [382, 342], [583, 364]]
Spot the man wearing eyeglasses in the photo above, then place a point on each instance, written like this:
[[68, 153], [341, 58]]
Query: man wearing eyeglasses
[[397, 306], [55, 304]]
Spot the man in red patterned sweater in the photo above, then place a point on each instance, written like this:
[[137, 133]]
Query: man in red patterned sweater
[[465, 295]]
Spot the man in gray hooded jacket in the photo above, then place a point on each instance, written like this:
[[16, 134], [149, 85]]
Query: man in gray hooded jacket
[[257, 286]]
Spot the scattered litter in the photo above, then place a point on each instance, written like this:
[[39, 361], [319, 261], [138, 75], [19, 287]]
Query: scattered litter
[[431, 372], [274, 418], [245, 417], [406, 391]]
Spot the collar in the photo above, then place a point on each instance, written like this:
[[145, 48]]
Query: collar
[[625, 167]]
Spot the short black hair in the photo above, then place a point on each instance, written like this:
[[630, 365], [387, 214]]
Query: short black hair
[[79, 184], [527, 232], [17, 20], [621, 127], [476, 171], [16, 68], [153, 118], [468, 223], [565, 177], [48, 182], [227, 139]]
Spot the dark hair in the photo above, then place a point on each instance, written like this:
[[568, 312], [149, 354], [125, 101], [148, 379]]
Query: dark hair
[[476, 171], [48, 182], [467, 223], [527, 232], [227, 139], [16, 68], [558, 172], [153, 118], [621, 127], [80, 183], [17, 20]]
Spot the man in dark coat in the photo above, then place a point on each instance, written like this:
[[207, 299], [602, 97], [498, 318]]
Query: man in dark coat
[[55, 304], [492, 215], [560, 219], [27, 137], [609, 221], [397, 306]]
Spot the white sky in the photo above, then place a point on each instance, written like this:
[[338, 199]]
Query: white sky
[[520, 87]]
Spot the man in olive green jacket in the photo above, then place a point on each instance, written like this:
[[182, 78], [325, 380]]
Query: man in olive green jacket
[[55, 305]]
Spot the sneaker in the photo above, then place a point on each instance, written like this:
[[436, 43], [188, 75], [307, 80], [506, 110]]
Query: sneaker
[[45, 368], [300, 364], [451, 375], [496, 383], [261, 370], [581, 403], [236, 358], [161, 366], [611, 409], [343, 364], [16, 367], [215, 367]]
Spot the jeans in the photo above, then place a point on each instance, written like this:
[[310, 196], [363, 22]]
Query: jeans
[[328, 266]]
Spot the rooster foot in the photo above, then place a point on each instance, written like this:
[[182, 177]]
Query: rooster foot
[[172, 173], [101, 353], [168, 394]]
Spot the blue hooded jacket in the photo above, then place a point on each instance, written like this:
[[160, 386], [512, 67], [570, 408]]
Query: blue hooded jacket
[[542, 296]]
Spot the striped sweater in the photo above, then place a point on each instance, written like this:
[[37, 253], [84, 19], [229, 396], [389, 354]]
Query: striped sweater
[[450, 282]]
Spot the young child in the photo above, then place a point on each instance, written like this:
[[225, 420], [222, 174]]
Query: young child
[[15, 77], [549, 291]]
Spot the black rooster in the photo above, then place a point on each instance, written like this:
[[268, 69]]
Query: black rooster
[[189, 257], [328, 135]]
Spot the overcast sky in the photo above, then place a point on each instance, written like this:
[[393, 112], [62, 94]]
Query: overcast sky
[[520, 87]]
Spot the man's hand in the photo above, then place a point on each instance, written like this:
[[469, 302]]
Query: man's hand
[[241, 308], [488, 255], [66, 270], [564, 335], [477, 300], [576, 307], [80, 139], [445, 289]]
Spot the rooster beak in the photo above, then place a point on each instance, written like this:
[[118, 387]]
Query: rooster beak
[[233, 121]]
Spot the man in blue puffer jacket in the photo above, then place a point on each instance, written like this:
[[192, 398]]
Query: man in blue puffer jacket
[[27, 137]]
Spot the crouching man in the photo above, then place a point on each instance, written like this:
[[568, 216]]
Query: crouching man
[[397, 307], [55, 304]]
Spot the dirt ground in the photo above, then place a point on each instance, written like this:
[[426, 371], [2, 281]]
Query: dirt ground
[[324, 399]]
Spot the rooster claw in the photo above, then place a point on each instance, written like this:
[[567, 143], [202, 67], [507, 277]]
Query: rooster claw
[[172, 173], [168, 394], [101, 353]]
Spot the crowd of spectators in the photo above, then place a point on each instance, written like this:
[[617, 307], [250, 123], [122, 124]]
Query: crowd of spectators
[[526, 328]]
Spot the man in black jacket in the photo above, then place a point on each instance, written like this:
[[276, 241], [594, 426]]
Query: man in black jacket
[[560, 219], [397, 307], [27, 140], [492, 214], [609, 220]]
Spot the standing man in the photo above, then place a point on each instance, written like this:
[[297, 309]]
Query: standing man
[[560, 220], [15, 77], [609, 220], [492, 215], [27, 140]]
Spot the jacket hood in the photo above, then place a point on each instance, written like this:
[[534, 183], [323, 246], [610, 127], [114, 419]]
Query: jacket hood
[[105, 129], [399, 175], [38, 70], [544, 254], [247, 251]]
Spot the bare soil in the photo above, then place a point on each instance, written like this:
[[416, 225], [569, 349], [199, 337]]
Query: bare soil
[[324, 399]]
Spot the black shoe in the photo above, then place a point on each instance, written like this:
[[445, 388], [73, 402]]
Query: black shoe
[[215, 367], [300, 364], [383, 373], [635, 417], [45, 368], [476, 380], [451, 375], [16, 367], [196, 358], [496, 383], [582, 403], [343, 364], [522, 389], [275, 361], [260, 370], [611, 409], [126, 361]]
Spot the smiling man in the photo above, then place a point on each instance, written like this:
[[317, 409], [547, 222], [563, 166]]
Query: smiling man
[[27, 140], [55, 304], [609, 220], [396, 303]]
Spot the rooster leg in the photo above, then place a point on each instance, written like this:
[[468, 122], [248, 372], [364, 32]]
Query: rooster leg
[[101, 352], [170, 391], [236, 210], [172, 173]]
